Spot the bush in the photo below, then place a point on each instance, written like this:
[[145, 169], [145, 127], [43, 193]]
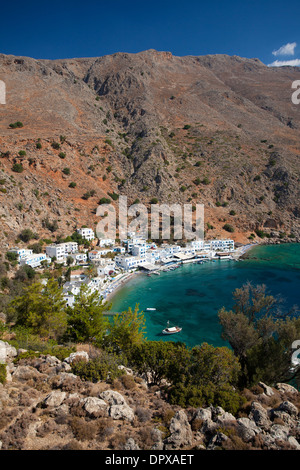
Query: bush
[[2, 373], [26, 235], [72, 185], [66, 171], [62, 155], [38, 145], [16, 125], [103, 367], [22, 153], [228, 228], [17, 168], [55, 145]]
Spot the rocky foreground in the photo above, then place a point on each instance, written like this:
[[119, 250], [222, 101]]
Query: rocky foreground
[[44, 406]]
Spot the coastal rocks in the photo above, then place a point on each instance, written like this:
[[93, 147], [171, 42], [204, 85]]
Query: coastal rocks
[[181, 432]]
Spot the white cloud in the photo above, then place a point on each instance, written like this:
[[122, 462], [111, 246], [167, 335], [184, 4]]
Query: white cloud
[[287, 49], [282, 63]]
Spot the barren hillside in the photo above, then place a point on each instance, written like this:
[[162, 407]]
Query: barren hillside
[[217, 130]]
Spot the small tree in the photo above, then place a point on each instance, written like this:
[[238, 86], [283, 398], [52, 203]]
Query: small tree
[[86, 322], [127, 330]]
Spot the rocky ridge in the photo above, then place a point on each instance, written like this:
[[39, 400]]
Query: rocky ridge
[[45, 406]]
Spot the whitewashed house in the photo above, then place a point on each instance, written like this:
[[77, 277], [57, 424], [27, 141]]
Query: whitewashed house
[[86, 233], [35, 260], [21, 252], [61, 250], [106, 242]]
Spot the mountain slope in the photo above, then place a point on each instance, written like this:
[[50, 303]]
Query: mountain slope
[[217, 130]]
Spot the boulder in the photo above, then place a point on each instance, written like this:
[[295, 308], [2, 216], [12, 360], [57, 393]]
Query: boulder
[[112, 397], [289, 408], [7, 352], [93, 405], [82, 355], [54, 399], [203, 413], [260, 415], [217, 441], [24, 373], [123, 412], [267, 390], [181, 433], [293, 442], [131, 445], [286, 388], [279, 432], [247, 429]]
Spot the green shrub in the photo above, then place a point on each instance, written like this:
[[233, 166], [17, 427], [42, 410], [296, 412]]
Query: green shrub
[[17, 168], [228, 228], [72, 185], [2, 373], [104, 367], [22, 153], [55, 145], [66, 171], [62, 155], [16, 125]]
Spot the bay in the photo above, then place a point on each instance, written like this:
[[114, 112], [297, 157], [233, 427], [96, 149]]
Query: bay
[[192, 295]]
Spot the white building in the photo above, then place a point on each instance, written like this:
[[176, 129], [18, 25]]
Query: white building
[[61, 250], [106, 269], [139, 250], [130, 262], [79, 257], [35, 260], [21, 252], [106, 242], [86, 233]]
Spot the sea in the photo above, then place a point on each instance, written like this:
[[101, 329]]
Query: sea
[[192, 295]]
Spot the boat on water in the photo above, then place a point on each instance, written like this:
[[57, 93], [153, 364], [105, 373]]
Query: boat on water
[[170, 330], [150, 308]]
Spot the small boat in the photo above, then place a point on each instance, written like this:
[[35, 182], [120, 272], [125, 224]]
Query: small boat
[[150, 308], [170, 330]]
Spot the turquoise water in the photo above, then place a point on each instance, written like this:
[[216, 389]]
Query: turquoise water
[[191, 295]]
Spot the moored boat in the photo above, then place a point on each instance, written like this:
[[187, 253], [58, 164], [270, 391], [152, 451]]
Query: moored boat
[[170, 330]]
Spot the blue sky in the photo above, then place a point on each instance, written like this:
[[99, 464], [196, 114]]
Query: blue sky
[[65, 29]]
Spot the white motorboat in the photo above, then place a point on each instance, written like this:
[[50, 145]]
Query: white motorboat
[[149, 308], [170, 330]]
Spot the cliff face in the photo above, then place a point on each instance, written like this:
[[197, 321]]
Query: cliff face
[[217, 130]]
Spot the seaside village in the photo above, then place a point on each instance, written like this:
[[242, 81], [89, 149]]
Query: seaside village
[[115, 263]]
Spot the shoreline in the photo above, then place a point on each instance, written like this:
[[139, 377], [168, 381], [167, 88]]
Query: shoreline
[[123, 282], [239, 252]]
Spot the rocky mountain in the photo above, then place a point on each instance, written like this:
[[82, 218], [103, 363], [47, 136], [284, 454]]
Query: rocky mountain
[[216, 130], [44, 406]]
